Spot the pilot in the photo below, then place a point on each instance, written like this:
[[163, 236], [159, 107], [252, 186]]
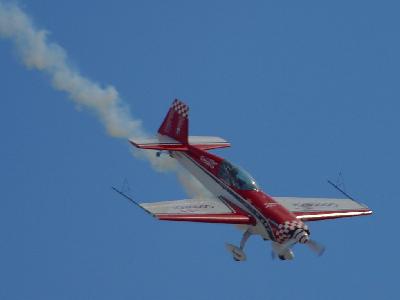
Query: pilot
[[236, 181]]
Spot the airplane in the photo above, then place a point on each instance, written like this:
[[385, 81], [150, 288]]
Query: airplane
[[236, 197]]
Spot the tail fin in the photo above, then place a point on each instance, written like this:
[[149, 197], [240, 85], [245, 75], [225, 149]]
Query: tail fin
[[176, 123], [173, 133]]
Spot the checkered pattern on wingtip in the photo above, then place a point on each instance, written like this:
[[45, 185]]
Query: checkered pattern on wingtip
[[181, 108], [285, 230]]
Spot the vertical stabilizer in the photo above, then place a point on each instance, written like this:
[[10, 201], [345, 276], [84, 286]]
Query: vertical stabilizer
[[176, 123]]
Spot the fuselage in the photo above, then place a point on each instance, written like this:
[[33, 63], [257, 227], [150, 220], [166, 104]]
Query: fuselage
[[235, 187]]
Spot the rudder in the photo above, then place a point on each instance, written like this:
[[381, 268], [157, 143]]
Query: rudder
[[176, 122]]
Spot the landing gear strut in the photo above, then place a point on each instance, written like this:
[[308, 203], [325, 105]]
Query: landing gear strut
[[238, 252]]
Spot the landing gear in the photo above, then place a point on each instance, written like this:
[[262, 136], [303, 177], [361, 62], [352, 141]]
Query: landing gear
[[161, 153], [237, 252], [283, 252]]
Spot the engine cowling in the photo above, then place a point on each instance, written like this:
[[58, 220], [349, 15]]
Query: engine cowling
[[301, 236]]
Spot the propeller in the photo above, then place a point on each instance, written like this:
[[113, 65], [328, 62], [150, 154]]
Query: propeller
[[316, 247], [300, 236], [303, 237]]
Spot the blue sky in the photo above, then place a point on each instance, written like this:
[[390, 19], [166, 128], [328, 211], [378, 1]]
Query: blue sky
[[302, 90]]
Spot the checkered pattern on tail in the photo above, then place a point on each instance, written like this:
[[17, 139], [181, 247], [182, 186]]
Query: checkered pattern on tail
[[286, 229], [176, 122], [181, 108]]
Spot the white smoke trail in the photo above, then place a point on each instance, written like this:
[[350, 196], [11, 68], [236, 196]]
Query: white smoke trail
[[38, 53]]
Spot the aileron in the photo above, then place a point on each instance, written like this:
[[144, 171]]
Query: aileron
[[314, 209], [210, 210]]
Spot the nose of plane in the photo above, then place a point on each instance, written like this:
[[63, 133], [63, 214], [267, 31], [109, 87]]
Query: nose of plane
[[301, 236]]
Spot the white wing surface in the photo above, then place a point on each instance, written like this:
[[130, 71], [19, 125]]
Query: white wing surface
[[314, 209], [210, 210]]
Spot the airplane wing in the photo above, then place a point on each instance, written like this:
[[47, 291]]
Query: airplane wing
[[315, 209], [197, 210]]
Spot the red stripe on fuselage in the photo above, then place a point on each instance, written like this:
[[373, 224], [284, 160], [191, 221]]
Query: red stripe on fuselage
[[270, 209]]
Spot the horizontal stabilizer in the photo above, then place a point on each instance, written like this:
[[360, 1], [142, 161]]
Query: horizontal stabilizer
[[166, 143], [314, 209], [159, 143], [208, 142]]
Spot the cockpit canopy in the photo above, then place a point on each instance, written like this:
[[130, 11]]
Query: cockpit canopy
[[236, 177]]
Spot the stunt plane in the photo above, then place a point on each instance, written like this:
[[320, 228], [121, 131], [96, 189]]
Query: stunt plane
[[236, 197]]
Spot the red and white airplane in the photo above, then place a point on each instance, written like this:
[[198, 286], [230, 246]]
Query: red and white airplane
[[237, 199]]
